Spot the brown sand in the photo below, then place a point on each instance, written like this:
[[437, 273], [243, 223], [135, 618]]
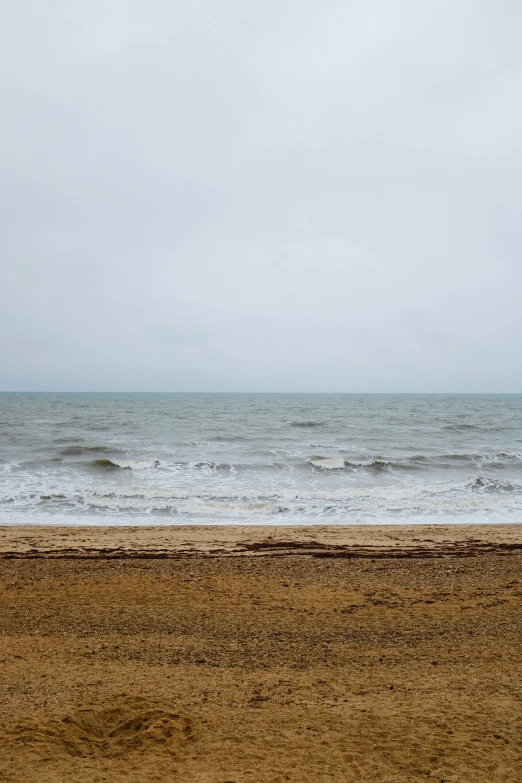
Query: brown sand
[[220, 654]]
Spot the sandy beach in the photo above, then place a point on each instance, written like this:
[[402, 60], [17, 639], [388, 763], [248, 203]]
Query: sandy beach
[[220, 654]]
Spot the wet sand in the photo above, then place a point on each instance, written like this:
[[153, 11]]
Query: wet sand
[[219, 654]]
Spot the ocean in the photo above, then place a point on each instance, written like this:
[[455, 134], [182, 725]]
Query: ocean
[[169, 459]]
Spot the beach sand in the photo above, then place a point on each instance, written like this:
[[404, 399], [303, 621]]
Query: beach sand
[[220, 654]]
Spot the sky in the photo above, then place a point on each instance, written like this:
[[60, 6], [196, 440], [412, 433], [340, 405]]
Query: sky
[[294, 195]]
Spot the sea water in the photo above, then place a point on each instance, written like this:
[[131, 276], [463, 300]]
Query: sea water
[[259, 458]]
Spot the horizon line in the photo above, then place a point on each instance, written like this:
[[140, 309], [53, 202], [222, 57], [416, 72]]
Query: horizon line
[[135, 391]]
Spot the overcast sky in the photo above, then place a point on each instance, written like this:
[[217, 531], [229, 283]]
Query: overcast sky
[[293, 195]]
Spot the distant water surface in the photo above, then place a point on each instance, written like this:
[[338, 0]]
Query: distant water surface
[[259, 458]]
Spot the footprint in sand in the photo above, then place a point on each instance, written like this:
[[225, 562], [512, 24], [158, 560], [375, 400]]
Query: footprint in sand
[[130, 724]]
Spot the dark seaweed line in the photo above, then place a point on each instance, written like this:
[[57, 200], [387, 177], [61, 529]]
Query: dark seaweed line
[[279, 549]]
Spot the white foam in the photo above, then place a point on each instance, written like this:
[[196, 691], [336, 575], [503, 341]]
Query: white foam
[[139, 464], [328, 463]]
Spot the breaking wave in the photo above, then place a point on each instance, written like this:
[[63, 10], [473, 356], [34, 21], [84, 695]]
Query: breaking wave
[[499, 458], [487, 484], [339, 463], [417, 462], [112, 464], [371, 465], [328, 463]]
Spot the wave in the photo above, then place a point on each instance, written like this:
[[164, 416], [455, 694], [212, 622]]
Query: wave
[[112, 464], [104, 463], [212, 466], [176, 468], [72, 451], [339, 463], [328, 463], [279, 462], [306, 423], [495, 458], [209, 466], [417, 462], [373, 464], [501, 457], [484, 483]]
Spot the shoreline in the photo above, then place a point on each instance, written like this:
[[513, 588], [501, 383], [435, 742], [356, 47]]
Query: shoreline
[[158, 541]]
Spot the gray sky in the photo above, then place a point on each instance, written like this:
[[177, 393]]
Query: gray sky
[[282, 196]]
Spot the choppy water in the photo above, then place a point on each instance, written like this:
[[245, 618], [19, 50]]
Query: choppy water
[[259, 458]]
